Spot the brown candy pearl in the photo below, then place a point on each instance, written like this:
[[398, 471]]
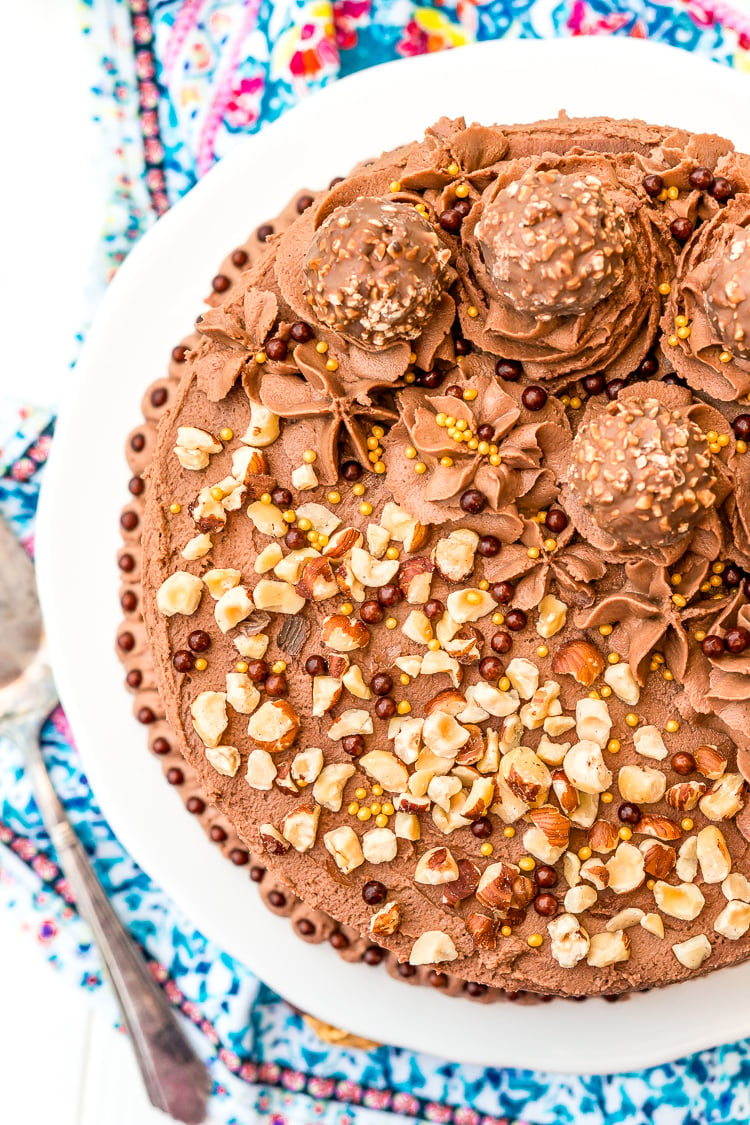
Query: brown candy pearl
[[594, 384], [305, 927], [276, 349], [491, 668], [732, 575], [614, 386], [482, 828], [158, 397], [509, 370], [160, 746], [381, 683], [712, 645], [276, 899], [371, 612], [281, 497], [653, 185], [516, 620], [217, 834], [450, 220], [437, 979], [433, 608], [681, 229], [545, 876], [462, 346], [373, 955], [473, 501], [128, 601], [126, 642], [240, 857], [389, 595], [295, 539], [146, 716], [534, 398], [175, 776], [501, 642], [488, 546], [195, 806], [374, 892], [257, 874], [351, 471], [463, 206], [486, 432], [454, 391], [179, 353], [134, 678], [405, 970], [199, 640], [264, 232], [138, 443], [353, 744], [339, 940], [304, 202], [683, 762], [301, 332], [431, 379], [741, 427], [183, 660], [220, 283], [136, 486], [737, 640], [126, 563], [546, 905], [474, 989], [556, 520], [276, 684], [502, 592], [385, 708], [629, 813], [701, 178], [647, 368], [316, 666], [239, 258], [721, 189], [258, 671]]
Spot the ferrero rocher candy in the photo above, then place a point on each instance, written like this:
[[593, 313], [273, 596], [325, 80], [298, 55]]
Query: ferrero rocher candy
[[643, 472], [554, 244], [728, 297], [374, 271]]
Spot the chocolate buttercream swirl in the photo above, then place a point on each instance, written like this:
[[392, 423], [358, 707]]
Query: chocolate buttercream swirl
[[710, 291], [612, 334], [531, 564], [334, 408], [531, 448], [652, 617]]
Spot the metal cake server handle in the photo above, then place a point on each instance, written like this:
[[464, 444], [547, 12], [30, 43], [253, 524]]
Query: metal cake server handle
[[176, 1080]]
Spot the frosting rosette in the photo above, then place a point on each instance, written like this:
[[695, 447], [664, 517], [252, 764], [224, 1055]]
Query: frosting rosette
[[711, 297], [476, 436], [610, 245]]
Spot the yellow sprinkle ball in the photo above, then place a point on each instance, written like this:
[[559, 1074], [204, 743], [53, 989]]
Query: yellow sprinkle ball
[[614, 745], [395, 185], [680, 321], [486, 848], [632, 719], [542, 651], [375, 808], [607, 798], [715, 580], [613, 658], [387, 807], [665, 288], [364, 814], [683, 333], [672, 726], [503, 684], [506, 931], [687, 824], [365, 509], [575, 403], [332, 365], [470, 394], [392, 553], [420, 468], [175, 509], [550, 544], [605, 691], [453, 169], [433, 645], [260, 357], [404, 707], [473, 597], [495, 459], [446, 462], [679, 600], [527, 863], [240, 666], [663, 195], [346, 608], [201, 664], [309, 456], [410, 377], [498, 619], [725, 357], [322, 540], [334, 497], [358, 490], [462, 191], [673, 192], [410, 452], [700, 635], [404, 679], [673, 341], [472, 311], [217, 492], [715, 447], [605, 630], [289, 516], [353, 809], [391, 622], [625, 834], [584, 853], [509, 832], [535, 940], [723, 440], [533, 552], [226, 434], [381, 820], [360, 794]]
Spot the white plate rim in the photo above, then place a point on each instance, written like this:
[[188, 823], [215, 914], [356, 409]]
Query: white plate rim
[[648, 1029]]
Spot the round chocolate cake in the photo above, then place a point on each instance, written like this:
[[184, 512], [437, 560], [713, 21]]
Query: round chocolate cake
[[445, 531]]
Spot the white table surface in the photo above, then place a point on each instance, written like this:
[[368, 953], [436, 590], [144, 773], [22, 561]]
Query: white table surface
[[59, 1061]]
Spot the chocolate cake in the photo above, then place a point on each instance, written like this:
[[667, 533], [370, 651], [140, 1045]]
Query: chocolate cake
[[444, 537]]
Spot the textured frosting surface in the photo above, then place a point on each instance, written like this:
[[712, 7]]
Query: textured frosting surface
[[464, 701]]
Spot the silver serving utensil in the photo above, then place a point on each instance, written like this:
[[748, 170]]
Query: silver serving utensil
[[176, 1080]]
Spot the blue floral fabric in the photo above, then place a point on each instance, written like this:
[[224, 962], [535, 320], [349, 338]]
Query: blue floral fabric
[[179, 82]]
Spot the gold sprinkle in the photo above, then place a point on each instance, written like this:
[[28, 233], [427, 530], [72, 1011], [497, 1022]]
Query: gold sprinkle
[[673, 341], [723, 440], [241, 666], [321, 347], [410, 377], [700, 635], [473, 443], [175, 509], [542, 651], [687, 824], [461, 424], [387, 807], [715, 447], [651, 883], [506, 931], [503, 684], [625, 834], [495, 459], [584, 853], [725, 357], [353, 808], [462, 191], [741, 446], [365, 509], [260, 357], [472, 311], [226, 434], [533, 552], [575, 403], [663, 196], [483, 584], [470, 394], [304, 524], [395, 185], [453, 169], [289, 516], [410, 452], [217, 492], [265, 498], [675, 579], [715, 580], [392, 553], [535, 940], [404, 707], [360, 793], [665, 288], [379, 467], [377, 790], [527, 863], [346, 608], [364, 814], [420, 468], [473, 597], [613, 745], [607, 798], [374, 455], [483, 448], [381, 820], [486, 848], [705, 587], [683, 333], [322, 540], [312, 537], [605, 630], [680, 321], [672, 726], [679, 600], [498, 619], [201, 664], [673, 192], [404, 679], [550, 544], [605, 691], [433, 645], [711, 435], [372, 442], [632, 719], [594, 694], [334, 497], [358, 490], [278, 667], [391, 622], [613, 658], [375, 808], [509, 832], [309, 457], [565, 400], [332, 365]]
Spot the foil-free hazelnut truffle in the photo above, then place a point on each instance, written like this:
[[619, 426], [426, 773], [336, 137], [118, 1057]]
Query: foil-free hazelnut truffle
[[374, 271], [554, 244], [644, 472], [728, 297]]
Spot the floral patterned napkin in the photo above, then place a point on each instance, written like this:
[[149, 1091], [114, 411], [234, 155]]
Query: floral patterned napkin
[[179, 82]]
